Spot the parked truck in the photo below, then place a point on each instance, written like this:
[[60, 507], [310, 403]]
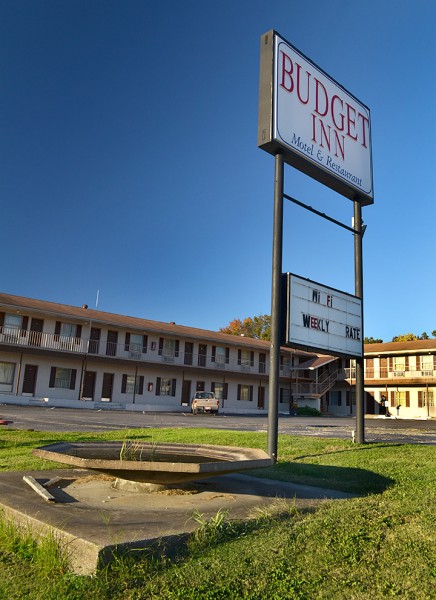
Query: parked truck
[[205, 402]]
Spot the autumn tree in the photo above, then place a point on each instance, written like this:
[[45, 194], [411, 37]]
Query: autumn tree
[[258, 327]]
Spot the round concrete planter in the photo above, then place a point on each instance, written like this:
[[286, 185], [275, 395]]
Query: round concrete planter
[[155, 463]]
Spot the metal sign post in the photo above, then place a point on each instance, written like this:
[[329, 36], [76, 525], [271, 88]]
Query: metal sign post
[[274, 369], [358, 276]]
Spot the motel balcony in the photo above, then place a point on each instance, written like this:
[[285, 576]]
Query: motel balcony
[[46, 343], [384, 375]]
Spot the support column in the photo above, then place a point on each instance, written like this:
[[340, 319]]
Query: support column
[[360, 361], [274, 368]]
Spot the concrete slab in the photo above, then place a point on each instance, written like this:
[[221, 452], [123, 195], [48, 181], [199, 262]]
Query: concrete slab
[[91, 519]]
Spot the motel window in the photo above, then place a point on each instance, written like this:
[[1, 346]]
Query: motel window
[[220, 389], [136, 344], [7, 373], [168, 348], [426, 364], [285, 395], [425, 398], [220, 355], [12, 326], [62, 378], [400, 399], [67, 331], [246, 358], [13, 322], [245, 392], [132, 385], [165, 387], [369, 368], [399, 365]]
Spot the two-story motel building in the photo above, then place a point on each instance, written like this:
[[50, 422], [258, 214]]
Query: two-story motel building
[[59, 355], [77, 357]]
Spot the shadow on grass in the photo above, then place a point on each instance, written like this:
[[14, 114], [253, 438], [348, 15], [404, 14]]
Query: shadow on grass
[[345, 479]]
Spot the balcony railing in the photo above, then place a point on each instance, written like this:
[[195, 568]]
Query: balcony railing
[[52, 341], [384, 373], [135, 352], [74, 345]]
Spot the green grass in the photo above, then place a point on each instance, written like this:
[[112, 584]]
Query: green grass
[[380, 544]]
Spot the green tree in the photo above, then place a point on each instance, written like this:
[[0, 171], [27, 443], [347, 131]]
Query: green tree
[[424, 336], [371, 340], [405, 337], [258, 327]]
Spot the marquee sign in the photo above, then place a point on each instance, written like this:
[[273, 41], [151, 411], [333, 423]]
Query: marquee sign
[[322, 319], [319, 127]]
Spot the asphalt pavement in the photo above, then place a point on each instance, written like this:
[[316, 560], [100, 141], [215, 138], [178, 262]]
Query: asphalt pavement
[[381, 429]]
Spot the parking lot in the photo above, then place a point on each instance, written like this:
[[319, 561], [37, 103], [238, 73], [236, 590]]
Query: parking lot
[[389, 430]]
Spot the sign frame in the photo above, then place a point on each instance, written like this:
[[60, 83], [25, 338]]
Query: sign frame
[[348, 172], [332, 322]]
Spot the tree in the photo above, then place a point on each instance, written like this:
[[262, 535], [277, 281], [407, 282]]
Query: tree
[[405, 337], [372, 340], [258, 327]]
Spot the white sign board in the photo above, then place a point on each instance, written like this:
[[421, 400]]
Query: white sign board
[[321, 318], [319, 127]]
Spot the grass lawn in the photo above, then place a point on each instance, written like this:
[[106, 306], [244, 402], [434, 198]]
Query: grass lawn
[[380, 544]]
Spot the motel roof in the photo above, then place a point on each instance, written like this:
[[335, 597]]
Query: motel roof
[[409, 347], [145, 326]]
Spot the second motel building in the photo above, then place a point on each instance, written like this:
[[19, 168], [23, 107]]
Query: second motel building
[[59, 355]]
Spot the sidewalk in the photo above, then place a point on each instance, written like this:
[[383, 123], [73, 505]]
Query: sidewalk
[[91, 519]]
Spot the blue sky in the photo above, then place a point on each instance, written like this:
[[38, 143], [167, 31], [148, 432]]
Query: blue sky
[[129, 159]]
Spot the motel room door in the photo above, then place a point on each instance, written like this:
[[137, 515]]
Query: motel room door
[[36, 327], [107, 387], [29, 380], [261, 397], [88, 385], [186, 392]]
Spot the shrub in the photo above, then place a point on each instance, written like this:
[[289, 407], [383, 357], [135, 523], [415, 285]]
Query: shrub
[[306, 411]]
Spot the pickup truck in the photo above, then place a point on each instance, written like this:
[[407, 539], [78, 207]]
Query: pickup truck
[[205, 402]]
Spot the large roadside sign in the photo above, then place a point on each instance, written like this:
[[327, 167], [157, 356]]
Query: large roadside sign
[[321, 319], [319, 127]]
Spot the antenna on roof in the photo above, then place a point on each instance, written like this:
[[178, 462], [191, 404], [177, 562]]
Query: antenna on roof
[[96, 300]]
